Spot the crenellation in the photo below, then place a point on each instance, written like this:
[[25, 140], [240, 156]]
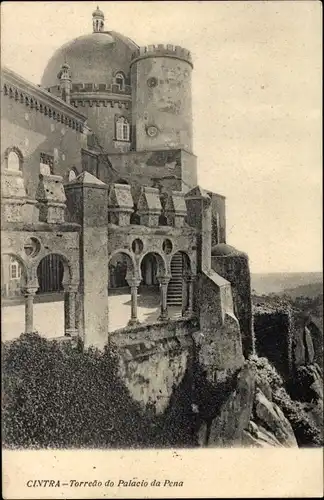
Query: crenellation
[[162, 50]]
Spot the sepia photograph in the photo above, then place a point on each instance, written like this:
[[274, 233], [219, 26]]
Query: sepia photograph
[[161, 235]]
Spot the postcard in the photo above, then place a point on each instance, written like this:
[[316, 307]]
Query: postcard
[[161, 251]]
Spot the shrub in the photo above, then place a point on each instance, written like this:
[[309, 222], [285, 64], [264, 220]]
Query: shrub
[[56, 395], [265, 372], [306, 433]]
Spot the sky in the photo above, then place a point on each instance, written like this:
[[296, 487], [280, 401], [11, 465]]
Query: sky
[[257, 100]]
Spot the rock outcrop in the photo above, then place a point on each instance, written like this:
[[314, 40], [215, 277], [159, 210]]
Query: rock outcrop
[[271, 422], [244, 416]]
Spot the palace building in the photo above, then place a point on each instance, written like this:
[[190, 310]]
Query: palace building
[[101, 211]]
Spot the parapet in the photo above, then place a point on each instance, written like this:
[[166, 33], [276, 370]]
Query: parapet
[[161, 50]]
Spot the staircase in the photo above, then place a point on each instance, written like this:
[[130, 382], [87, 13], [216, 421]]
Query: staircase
[[174, 296]]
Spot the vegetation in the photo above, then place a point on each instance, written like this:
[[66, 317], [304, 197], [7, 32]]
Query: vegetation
[[57, 395], [307, 434]]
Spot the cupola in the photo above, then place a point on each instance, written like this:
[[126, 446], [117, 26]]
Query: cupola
[[64, 76], [98, 20]]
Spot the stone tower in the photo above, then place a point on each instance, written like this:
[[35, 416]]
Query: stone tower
[[64, 76], [161, 98]]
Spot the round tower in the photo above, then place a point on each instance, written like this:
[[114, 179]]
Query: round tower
[[161, 98]]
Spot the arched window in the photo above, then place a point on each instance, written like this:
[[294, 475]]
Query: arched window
[[46, 164], [120, 80], [122, 129], [14, 159], [72, 175], [15, 269]]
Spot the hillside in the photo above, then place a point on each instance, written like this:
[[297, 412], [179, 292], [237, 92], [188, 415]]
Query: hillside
[[266, 283], [311, 291]]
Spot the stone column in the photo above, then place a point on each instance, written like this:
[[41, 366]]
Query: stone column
[[133, 283], [29, 308], [190, 281], [164, 281], [70, 292]]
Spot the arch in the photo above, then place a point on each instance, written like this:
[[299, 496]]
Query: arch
[[161, 266], [178, 289], [149, 270], [163, 221], [135, 218], [14, 275], [54, 272], [73, 173], [14, 159], [186, 261], [46, 164], [121, 267], [120, 80]]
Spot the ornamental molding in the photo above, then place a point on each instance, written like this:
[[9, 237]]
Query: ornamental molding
[[24, 92], [100, 100]]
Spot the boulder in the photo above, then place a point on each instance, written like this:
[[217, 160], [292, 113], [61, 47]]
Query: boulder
[[258, 437], [227, 427], [269, 416]]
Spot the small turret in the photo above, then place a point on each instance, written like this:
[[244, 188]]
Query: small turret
[[98, 20], [64, 76]]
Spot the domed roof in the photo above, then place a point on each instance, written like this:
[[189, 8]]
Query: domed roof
[[224, 250], [98, 13], [93, 58]]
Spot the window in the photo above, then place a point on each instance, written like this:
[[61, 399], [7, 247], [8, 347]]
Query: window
[[72, 175], [122, 129], [120, 81], [13, 161], [46, 164], [15, 269]]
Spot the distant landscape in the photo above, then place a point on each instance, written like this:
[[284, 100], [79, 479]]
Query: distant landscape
[[303, 291], [293, 284]]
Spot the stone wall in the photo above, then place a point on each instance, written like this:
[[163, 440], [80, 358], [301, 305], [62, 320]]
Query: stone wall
[[162, 99], [218, 218], [59, 239], [219, 341], [182, 239], [173, 169], [236, 270], [154, 360], [102, 118], [87, 201], [33, 132], [273, 329]]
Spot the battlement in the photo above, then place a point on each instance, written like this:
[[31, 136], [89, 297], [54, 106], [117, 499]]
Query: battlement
[[162, 50]]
